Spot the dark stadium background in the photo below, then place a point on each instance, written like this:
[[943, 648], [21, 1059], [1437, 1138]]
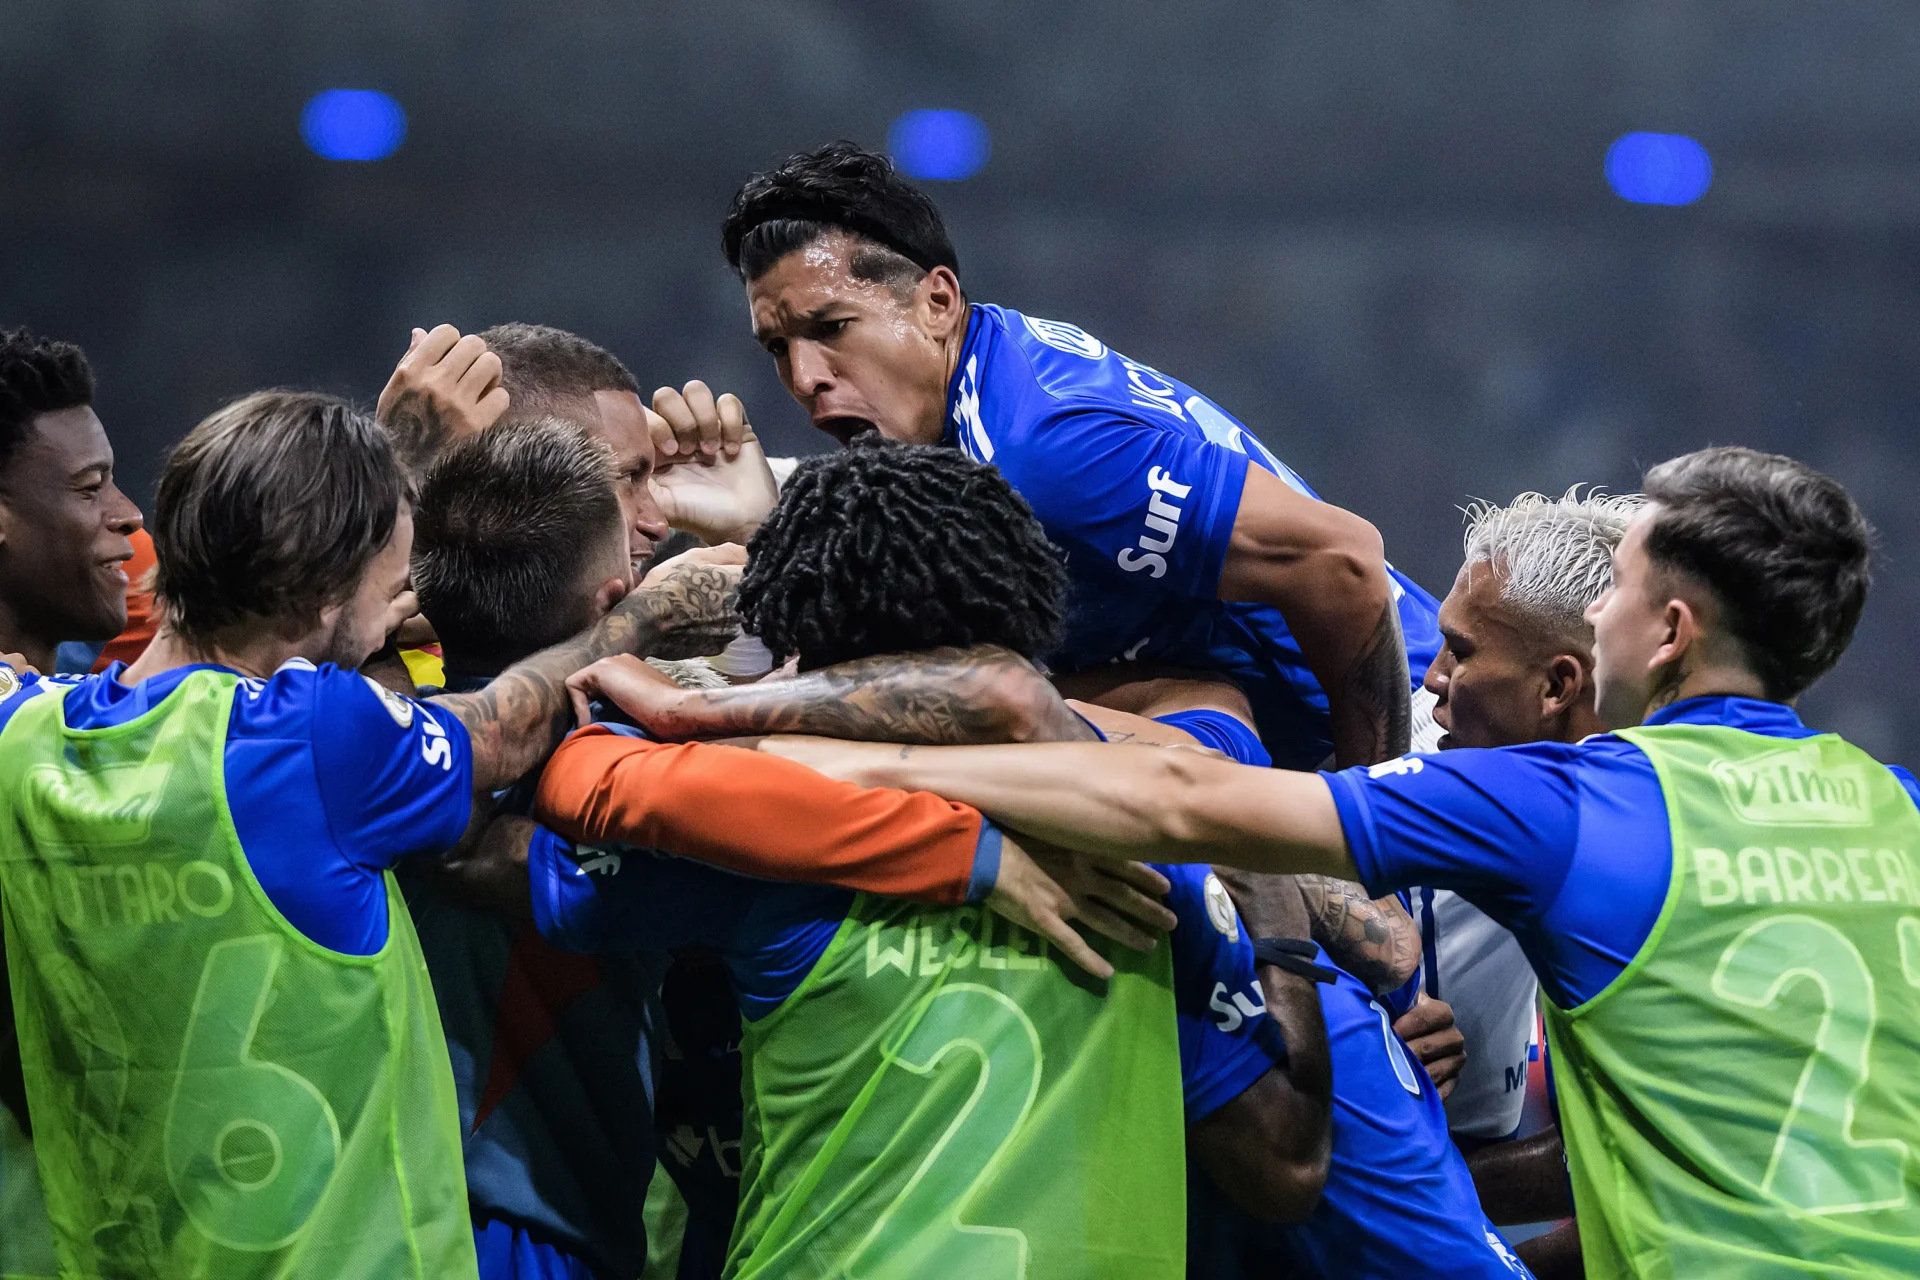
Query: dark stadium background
[[1378, 232]]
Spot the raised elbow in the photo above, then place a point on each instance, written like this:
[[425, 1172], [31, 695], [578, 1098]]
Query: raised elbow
[[1286, 1189]]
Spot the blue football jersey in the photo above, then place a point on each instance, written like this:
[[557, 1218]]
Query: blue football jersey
[[1137, 477], [1398, 1201]]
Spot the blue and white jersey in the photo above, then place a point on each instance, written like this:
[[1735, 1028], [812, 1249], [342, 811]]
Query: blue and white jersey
[[1398, 1201], [1137, 477]]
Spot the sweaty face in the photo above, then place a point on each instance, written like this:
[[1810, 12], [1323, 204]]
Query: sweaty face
[[854, 353], [1629, 628], [379, 605], [1491, 675], [63, 531], [619, 422]]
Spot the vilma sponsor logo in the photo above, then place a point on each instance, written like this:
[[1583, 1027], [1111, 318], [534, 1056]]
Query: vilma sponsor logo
[[1792, 787]]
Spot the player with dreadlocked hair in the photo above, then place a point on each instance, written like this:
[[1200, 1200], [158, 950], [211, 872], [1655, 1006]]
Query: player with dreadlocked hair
[[894, 548]]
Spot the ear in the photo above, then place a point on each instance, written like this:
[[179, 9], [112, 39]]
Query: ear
[[1567, 679], [945, 307], [1680, 635], [605, 596]]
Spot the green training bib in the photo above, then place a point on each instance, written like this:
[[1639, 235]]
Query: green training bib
[[942, 1097], [213, 1094], [1744, 1099]]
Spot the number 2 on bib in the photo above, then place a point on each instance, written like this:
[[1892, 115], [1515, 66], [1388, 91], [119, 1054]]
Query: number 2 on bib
[[979, 1021], [1817, 1165], [249, 1145]]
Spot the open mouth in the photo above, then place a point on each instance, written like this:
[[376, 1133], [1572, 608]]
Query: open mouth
[[845, 428]]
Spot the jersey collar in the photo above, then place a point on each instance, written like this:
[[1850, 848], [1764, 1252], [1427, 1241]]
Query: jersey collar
[[975, 346], [1774, 719]]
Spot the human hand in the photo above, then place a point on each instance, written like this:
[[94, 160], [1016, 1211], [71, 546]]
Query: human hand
[[691, 609], [1429, 1031], [1116, 905], [725, 553], [690, 422], [19, 663], [722, 499], [644, 692], [445, 388]]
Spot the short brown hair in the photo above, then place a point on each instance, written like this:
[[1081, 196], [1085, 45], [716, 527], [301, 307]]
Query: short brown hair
[[270, 511], [502, 529], [1784, 549], [542, 368]]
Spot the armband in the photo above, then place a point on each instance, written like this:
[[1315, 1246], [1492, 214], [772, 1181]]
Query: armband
[[1295, 955]]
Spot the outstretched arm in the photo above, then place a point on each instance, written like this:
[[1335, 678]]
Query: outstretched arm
[[1324, 569], [521, 716], [943, 697], [1123, 802]]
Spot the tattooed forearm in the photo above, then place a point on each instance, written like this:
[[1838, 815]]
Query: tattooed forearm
[[522, 715], [944, 697], [1372, 719], [1375, 940]]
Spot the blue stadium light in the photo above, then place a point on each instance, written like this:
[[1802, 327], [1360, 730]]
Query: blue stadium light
[[1658, 168], [353, 124], [944, 146]]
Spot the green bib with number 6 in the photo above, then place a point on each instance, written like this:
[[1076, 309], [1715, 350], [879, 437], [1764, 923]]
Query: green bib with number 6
[[942, 1097], [1744, 1099], [213, 1094]]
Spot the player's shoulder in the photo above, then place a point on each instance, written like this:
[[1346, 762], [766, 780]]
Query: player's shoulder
[[1198, 898], [19, 687], [1056, 369], [302, 699]]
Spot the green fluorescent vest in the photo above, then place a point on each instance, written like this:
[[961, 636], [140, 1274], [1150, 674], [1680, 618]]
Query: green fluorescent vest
[[213, 1094], [1744, 1099], [942, 1098]]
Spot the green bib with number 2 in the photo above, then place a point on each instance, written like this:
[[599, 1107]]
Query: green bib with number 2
[[1744, 1099], [943, 1097], [213, 1094]]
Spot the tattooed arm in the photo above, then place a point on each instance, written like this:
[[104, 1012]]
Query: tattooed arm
[[943, 697], [518, 719], [1375, 940], [1324, 570]]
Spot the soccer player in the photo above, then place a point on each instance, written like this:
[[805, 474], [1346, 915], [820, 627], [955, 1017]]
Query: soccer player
[[519, 540], [1188, 542], [1719, 902], [927, 1092], [65, 539], [232, 1062]]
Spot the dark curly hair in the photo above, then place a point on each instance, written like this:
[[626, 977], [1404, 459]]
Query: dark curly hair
[[1782, 547], [840, 186], [37, 376], [889, 548]]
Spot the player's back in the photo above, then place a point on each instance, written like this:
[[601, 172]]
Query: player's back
[[1138, 477], [938, 1097]]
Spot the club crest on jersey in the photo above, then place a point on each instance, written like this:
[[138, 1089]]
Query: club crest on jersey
[[1220, 908], [1070, 338], [401, 709], [9, 683]]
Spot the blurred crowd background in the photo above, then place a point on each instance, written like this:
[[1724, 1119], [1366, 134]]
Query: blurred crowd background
[[1383, 234]]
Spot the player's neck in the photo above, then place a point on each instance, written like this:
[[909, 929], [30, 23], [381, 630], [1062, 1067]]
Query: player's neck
[[258, 656], [15, 638], [1725, 680]]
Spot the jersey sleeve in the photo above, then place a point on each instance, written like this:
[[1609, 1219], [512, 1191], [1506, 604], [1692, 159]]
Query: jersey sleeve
[[1227, 1040], [395, 776], [607, 898], [1148, 502], [1500, 827], [764, 816]]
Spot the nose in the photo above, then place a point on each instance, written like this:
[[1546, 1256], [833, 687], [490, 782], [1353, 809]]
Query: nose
[[1439, 675], [648, 518], [809, 372], [122, 516]]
